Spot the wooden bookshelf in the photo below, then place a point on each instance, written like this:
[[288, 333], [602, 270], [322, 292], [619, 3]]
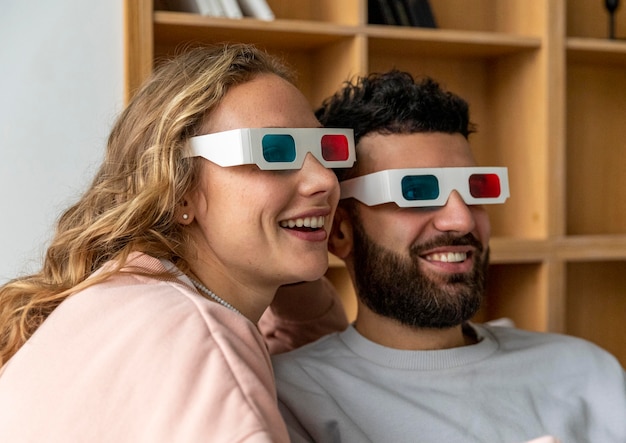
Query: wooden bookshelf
[[548, 92]]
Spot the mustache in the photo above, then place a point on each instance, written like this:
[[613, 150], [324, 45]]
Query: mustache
[[446, 240]]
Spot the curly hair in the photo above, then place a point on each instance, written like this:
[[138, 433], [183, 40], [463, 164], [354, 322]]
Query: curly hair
[[394, 102], [131, 203]]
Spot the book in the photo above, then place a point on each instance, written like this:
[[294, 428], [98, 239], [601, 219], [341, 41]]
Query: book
[[420, 13], [379, 12], [202, 7], [231, 8], [257, 9], [161, 5], [214, 7], [400, 12]]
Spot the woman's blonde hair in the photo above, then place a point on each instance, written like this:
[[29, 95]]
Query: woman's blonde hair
[[132, 202]]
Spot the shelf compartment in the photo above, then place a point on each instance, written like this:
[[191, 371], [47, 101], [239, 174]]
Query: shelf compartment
[[596, 304], [339, 277], [517, 292], [596, 147], [309, 47], [512, 16], [346, 12], [590, 19]]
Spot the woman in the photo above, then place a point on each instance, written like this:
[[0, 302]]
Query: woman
[[141, 324]]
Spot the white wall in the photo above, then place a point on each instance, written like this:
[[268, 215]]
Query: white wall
[[61, 86]]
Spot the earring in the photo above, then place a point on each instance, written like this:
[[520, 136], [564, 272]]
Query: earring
[[185, 216]]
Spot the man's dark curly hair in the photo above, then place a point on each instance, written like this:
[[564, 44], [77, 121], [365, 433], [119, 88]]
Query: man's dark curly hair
[[394, 103]]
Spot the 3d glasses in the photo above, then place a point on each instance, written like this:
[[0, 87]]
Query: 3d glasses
[[276, 148], [424, 187]]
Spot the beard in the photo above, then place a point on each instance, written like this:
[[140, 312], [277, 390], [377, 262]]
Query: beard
[[394, 286]]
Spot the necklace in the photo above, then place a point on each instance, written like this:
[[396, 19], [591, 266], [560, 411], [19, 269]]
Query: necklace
[[200, 287]]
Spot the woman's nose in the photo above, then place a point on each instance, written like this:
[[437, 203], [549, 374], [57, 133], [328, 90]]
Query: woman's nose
[[316, 177]]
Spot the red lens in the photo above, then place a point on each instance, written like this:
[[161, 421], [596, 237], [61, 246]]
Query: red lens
[[335, 147], [484, 185]]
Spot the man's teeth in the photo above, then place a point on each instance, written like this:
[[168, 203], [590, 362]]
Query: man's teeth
[[307, 222], [448, 257]]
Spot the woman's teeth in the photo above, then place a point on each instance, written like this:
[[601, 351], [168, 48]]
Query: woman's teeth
[[307, 222]]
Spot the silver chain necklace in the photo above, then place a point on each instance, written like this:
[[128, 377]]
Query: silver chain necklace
[[200, 287]]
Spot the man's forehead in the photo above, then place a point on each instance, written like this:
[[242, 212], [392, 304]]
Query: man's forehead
[[376, 152]]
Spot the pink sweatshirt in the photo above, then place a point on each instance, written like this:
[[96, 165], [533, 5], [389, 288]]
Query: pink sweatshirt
[[136, 359]]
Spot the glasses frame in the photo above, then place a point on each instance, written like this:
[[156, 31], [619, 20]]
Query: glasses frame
[[385, 186], [220, 147]]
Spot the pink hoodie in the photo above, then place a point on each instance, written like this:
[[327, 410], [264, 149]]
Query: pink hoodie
[[137, 359]]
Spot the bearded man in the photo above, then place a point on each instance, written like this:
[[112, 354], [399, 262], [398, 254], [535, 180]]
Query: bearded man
[[414, 234]]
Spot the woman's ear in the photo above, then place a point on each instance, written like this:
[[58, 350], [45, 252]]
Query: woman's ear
[[184, 213], [340, 240]]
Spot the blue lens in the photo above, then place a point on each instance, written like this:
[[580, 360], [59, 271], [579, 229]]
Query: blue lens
[[420, 187], [278, 148]]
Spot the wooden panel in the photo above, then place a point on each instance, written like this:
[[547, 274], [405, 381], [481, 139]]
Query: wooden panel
[[402, 42], [341, 281], [510, 16], [587, 18], [138, 44], [317, 81], [347, 12], [590, 247], [553, 94], [596, 304], [555, 300], [524, 16], [518, 292], [174, 28], [602, 52], [519, 131], [510, 250], [460, 14], [596, 149]]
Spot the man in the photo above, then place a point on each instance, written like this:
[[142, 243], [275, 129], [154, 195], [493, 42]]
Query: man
[[413, 232]]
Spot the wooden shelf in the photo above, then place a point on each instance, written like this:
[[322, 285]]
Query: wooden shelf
[[570, 248], [172, 28], [446, 43], [600, 51], [576, 248], [548, 93], [511, 250]]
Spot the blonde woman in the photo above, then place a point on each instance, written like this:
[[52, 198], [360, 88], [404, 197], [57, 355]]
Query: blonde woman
[[141, 325]]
